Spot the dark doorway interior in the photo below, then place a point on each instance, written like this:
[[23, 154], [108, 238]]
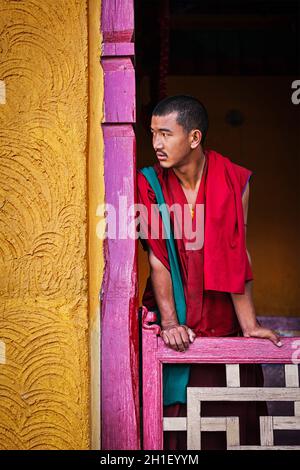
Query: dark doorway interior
[[216, 37]]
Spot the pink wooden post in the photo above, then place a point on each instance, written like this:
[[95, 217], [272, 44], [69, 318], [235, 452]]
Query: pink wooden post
[[203, 350], [119, 327], [152, 385]]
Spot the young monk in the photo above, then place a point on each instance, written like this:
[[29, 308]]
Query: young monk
[[216, 275]]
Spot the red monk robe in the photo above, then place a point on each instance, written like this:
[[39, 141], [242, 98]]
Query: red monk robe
[[209, 275]]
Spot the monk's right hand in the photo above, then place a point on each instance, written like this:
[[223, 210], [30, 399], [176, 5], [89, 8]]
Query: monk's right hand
[[177, 336]]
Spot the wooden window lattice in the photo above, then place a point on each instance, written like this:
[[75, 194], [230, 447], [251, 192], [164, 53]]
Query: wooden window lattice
[[194, 424]]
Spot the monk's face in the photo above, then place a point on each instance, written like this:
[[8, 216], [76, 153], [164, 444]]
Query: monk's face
[[171, 143]]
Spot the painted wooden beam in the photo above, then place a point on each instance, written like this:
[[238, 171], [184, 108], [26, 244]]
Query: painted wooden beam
[[118, 49], [120, 406], [117, 20], [119, 91], [230, 351], [152, 387], [119, 312]]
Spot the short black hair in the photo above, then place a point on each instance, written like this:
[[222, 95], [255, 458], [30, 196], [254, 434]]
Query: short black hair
[[191, 113]]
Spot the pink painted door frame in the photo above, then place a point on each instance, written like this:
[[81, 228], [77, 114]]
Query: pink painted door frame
[[119, 307]]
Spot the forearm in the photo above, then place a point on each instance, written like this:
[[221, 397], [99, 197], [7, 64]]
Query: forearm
[[245, 309], [163, 292], [244, 306], [175, 336]]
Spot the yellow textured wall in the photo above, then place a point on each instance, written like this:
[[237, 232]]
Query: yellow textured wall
[[44, 379], [95, 197]]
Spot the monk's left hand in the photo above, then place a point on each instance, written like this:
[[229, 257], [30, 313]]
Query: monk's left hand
[[264, 333]]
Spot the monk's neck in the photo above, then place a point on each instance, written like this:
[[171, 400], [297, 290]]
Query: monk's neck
[[190, 174]]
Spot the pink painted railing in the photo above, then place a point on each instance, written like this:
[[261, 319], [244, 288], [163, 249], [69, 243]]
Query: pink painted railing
[[203, 350]]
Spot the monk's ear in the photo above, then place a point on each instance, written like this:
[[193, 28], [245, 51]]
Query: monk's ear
[[196, 137]]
